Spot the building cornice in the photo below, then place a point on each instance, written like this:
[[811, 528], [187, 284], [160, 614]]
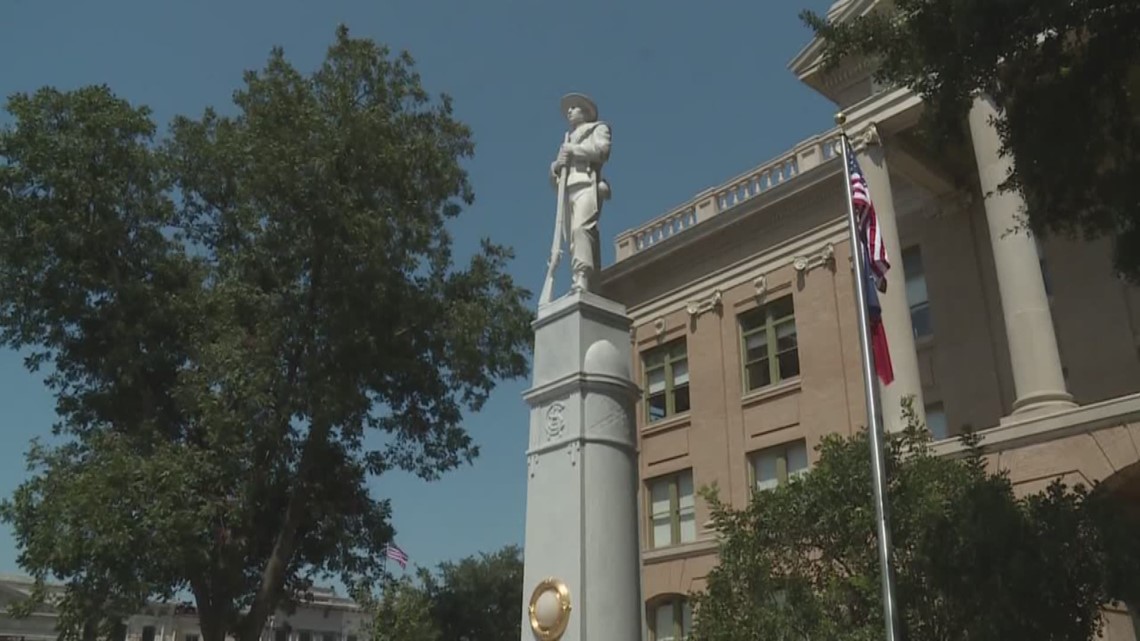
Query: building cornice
[[808, 63], [758, 206], [753, 270]]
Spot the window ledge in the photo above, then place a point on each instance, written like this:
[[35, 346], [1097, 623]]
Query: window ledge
[[679, 551], [783, 388], [668, 423], [924, 342]]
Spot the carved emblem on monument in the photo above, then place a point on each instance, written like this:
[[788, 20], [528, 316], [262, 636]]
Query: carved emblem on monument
[[549, 609], [555, 421]]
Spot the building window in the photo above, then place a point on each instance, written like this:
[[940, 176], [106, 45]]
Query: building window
[[148, 633], [773, 467], [666, 381], [672, 511], [936, 421], [671, 620], [191, 637], [351, 637], [330, 636], [916, 295], [304, 635], [771, 352]]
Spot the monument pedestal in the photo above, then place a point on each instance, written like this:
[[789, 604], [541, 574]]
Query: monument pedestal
[[582, 571]]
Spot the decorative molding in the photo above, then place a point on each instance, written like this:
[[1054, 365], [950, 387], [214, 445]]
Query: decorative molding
[[749, 270], [845, 74], [659, 325], [761, 285], [868, 137], [574, 452], [825, 256], [696, 308], [555, 420]]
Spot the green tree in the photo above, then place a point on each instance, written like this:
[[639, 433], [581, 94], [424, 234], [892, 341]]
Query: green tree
[[1065, 74], [972, 561], [402, 612], [244, 321], [480, 597]]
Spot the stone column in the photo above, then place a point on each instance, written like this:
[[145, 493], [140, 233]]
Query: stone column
[[896, 310], [582, 563], [1037, 377]]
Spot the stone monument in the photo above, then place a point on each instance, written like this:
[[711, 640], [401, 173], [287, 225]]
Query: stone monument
[[582, 571]]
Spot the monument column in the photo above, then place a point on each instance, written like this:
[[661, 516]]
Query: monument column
[[1037, 377], [896, 310], [582, 557], [582, 564]]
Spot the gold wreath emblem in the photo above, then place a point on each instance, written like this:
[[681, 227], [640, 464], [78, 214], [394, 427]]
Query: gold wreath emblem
[[552, 631]]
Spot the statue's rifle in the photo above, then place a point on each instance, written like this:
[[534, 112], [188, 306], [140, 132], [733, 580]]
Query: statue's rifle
[[559, 234]]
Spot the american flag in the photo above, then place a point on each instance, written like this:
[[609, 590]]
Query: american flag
[[868, 222], [875, 258], [392, 551]]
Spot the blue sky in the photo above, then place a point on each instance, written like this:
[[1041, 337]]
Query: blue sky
[[695, 94]]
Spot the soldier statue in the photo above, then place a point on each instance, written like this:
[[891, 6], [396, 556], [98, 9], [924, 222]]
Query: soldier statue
[[577, 174]]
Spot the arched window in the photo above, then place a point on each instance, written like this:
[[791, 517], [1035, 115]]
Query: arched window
[[670, 619]]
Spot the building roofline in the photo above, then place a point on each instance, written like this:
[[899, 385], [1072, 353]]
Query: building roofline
[[806, 64], [757, 206]]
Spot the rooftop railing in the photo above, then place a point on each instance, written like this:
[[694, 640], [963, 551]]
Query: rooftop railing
[[711, 202]]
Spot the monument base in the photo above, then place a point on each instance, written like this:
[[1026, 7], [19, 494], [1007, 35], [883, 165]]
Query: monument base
[[582, 570]]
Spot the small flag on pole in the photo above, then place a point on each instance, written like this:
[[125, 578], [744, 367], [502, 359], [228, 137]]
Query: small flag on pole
[[877, 262], [393, 552]]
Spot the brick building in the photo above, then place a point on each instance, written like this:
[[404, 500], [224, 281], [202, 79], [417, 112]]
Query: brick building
[[746, 344]]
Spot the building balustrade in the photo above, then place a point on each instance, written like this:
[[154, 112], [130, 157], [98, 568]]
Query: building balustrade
[[775, 172]]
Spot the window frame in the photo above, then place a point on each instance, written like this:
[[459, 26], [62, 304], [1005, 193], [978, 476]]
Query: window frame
[[673, 352], [923, 306], [939, 407], [674, 483], [677, 603], [769, 327], [782, 474]]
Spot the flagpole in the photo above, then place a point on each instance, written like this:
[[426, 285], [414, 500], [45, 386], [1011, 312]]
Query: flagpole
[[878, 471]]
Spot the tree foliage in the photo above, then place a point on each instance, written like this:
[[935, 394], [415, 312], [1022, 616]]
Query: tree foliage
[[244, 321], [402, 612], [1065, 75], [972, 561], [478, 598]]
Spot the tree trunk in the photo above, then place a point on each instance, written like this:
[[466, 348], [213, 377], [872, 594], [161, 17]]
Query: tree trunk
[[210, 619], [273, 576]]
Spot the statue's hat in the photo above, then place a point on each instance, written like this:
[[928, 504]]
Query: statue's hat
[[580, 100]]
